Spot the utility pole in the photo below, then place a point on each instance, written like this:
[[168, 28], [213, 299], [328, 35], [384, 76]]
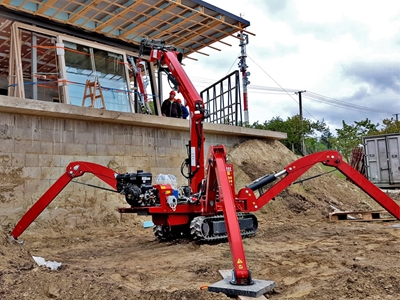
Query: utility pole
[[397, 117], [303, 145], [244, 40]]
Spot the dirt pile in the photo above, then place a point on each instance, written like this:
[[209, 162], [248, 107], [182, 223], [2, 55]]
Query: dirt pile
[[309, 257]]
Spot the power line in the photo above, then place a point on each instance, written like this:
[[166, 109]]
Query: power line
[[310, 95]]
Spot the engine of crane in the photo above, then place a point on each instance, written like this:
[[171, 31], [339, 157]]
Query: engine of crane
[[139, 191]]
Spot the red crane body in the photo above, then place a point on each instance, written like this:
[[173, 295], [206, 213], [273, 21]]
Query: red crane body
[[209, 207]]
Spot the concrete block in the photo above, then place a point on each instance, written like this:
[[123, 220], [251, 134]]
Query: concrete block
[[18, 160], [52, 173], [101, 149], [115, 150], [47, 135], [65, 160], [7, 145], [58, 148], [134, 150], [24, 121], [47, 124], [148, 141], [6, 131], [122, 139], [75, 149], [104, 138], [91, 149], [5, 159], [47, 160], [27, 146], [31, 160], [84, 137], [46, 147], [31, 173], [69, 137], [80, 126]]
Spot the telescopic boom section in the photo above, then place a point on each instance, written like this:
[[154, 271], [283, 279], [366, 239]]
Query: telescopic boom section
[[169, 58]]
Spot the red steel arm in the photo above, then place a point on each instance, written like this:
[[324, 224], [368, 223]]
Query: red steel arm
[[217, 170], [74, 169], [299, 167], [372, 190], [196, 108]]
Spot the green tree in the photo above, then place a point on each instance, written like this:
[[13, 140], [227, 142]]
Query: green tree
[[350, 136], [390, 126], [296, 129], [327, 138]]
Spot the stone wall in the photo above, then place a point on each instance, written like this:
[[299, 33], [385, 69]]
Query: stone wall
[[39, 139]]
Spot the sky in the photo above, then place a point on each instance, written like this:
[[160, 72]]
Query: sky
[[344, 54]]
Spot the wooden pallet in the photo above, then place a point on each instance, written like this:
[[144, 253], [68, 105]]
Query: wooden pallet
[[377, 215]]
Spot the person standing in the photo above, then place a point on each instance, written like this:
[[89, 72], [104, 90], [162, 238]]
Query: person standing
[[185, 112], [171, 108]]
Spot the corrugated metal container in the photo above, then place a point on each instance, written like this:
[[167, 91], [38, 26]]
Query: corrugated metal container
[[382, 154]]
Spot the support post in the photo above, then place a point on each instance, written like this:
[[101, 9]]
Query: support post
[[244, 40], [303, 145]]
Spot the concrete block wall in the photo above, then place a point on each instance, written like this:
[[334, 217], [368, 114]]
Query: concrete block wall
[[39, 139]]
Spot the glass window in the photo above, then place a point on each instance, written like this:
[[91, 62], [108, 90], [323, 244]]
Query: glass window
[[86, 63]]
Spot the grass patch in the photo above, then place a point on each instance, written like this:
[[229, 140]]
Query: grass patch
[[336, 172]]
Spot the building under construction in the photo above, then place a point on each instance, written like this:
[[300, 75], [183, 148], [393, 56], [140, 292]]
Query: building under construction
[[82, 52]]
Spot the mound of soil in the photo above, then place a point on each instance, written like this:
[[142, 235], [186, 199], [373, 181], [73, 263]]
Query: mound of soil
[[106, 256]]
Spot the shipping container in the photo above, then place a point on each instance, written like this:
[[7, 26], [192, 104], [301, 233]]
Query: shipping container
[[382, 155]]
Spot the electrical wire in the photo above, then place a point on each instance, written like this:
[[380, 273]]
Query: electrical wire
[[232, 65], [309, 95]]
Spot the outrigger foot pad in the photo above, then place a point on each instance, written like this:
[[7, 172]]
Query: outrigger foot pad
[[255, 290]]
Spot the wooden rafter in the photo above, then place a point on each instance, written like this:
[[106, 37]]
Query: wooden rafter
[[118, 15], [87, 7], [149, 19], [207, 27], [181, 26], [46, 5], [200, 32], [178, 26], [221, 21]]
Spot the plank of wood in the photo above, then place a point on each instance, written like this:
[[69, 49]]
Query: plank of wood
[[228, 273], [378, 215]]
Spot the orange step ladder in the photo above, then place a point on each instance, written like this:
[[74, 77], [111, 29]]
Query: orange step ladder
[[93, 91]]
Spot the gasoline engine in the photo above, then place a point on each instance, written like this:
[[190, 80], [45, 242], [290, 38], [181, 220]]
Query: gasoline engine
[[138, 189]]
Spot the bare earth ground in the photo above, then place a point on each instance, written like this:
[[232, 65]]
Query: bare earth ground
[[105, 256]]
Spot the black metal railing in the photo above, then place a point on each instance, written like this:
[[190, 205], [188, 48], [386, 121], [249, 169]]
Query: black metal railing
[[223, 101]]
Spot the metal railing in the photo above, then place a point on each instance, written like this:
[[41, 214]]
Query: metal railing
[[223, 101]]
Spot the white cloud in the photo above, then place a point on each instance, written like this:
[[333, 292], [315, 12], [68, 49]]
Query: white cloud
[[332, 48]]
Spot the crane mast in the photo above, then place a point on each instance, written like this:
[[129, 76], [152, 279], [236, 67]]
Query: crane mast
[[168, 58]]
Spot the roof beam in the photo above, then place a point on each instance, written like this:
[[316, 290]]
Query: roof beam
[[118, 15], [149, 19], [45, 6]]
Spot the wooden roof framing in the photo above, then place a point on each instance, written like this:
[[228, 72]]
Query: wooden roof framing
[[189, 25]]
